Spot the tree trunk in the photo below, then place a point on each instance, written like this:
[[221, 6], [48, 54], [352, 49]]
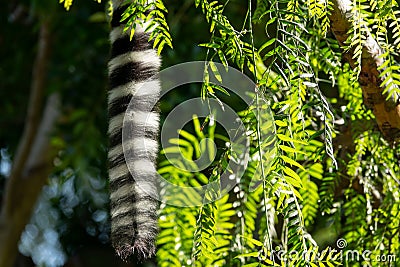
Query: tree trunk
[[387, 111], [33, 160]]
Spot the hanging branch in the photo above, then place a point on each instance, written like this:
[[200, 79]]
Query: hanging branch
[[387, 111]]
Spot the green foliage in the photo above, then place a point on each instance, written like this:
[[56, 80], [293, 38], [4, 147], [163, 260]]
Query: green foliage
[[150, 16], [289, 191], [197, 239]]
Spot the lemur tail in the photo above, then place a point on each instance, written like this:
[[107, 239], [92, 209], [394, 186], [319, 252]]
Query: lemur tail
[[133, 67]]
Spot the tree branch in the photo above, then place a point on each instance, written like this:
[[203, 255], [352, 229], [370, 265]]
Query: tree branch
[[387, 112], [33, 161], [35, 103]]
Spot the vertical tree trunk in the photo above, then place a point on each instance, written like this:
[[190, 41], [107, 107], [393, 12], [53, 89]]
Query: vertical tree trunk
[[33, 160]]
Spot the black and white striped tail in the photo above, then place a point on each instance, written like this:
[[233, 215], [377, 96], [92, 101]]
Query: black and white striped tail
[[132, 66]]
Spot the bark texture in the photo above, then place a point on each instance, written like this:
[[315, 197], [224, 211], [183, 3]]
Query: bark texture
[[387, 112]]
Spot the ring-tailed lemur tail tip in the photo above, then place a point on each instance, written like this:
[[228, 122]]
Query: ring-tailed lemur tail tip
[[134, 64]]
